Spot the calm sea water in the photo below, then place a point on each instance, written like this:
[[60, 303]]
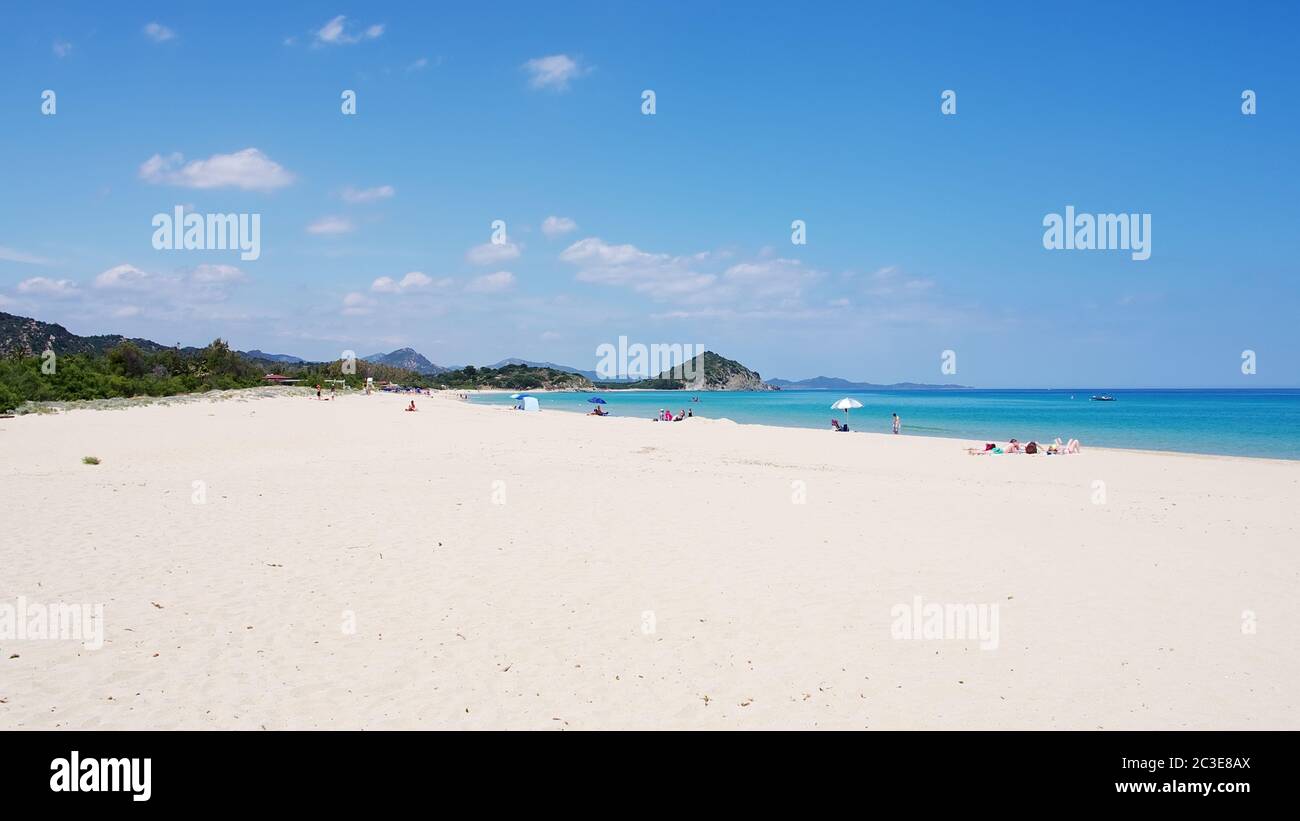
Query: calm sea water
[[1232, 422]]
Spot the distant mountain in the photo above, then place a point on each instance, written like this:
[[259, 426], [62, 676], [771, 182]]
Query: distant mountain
[[592, 375], [710, 372], [834, 383], [25, 336], [407, 359], [273, 357]]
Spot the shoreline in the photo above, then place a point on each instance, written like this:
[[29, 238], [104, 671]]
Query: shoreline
[[284, 391], [957, 441]]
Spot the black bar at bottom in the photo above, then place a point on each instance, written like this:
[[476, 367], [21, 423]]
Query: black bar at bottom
[[333, 770]]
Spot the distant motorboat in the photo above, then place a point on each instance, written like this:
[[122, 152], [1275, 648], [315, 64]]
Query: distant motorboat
[[1103, 398]]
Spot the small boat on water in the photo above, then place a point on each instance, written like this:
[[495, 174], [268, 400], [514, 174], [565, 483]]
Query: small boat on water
[[1103, 398]]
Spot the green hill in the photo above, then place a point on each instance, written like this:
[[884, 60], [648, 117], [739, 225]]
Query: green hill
[[708, 371]]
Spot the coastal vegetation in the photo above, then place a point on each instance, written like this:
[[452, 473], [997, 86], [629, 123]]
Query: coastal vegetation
[[43, 362], [126, 370]]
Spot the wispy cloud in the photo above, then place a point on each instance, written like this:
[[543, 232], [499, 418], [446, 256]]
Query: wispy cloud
[[338, 32], [44, 286], [890, 281], [330, 226], [123, 276], [357, 304], [362, 196], [554, 72], [413, 281], [704, 285], [217, 274], [14, 255], [491, 283], [203, 282], [657, 275], [558, 226], [250, 170], [158, 32], [490, 253], [61, 48]]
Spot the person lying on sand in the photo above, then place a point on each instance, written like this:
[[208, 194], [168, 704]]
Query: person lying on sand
[[989, 447], [1014, 447], [679, 417], [835, 423], [1069, 447], [598, 412]]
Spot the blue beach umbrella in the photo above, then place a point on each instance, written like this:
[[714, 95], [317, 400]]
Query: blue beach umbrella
[[519, 395], [596, 400]]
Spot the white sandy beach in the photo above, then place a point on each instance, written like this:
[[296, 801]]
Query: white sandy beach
[[502, 568]]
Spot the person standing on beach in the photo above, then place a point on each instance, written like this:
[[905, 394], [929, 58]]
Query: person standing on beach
[[897, 423]]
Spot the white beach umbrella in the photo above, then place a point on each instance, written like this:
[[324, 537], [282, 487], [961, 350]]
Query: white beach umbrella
[[846, 403]]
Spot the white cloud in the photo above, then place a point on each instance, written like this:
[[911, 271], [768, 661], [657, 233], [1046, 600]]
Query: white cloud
[[491, 283], [14, 255], [62, 48], [330, 226], [891, 282], [204, 283], [769, 278], [43, 286], [550, 336], [658, 275], [217, 274], [490, 253], [413, 281], [553, 72], [250, 170], [126, 311], [362, 196], [122, 276], [159, 33], [418, 64], [555, 226], [698, 284], [357, 304], [337, 32]]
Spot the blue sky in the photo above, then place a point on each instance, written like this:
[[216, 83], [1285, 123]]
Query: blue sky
[[924, 231]]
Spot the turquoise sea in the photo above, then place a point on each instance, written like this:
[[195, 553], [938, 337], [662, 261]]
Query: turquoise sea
[[1232, 422]]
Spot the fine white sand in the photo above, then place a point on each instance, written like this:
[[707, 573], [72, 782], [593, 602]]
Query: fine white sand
[[551, 571]]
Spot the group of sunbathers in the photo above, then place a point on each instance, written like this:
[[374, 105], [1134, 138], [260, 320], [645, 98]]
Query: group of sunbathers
[[667, 415], [1014, 446]]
